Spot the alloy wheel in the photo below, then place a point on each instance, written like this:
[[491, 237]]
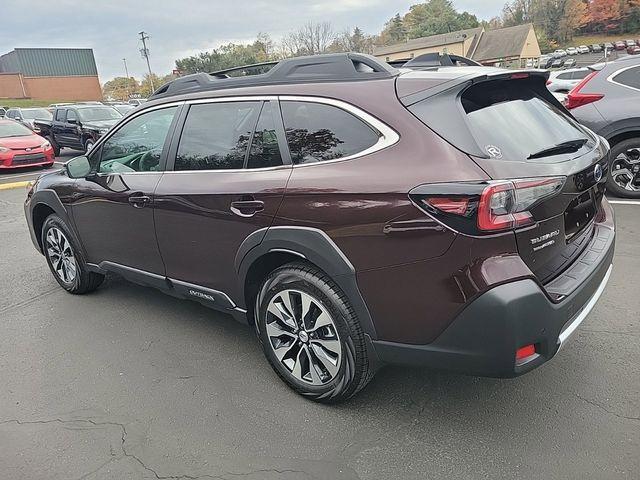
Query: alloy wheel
[[61, 255], [303, 337], [625, 169]]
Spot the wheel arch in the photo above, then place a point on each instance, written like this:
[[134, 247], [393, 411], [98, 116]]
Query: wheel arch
[[269, 248], [47, 202]]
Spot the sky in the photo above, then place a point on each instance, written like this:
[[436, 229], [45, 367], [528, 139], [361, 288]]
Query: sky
[[179, 28]]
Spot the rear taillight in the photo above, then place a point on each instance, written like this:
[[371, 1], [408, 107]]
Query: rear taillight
[[577, 99], [489, 207]]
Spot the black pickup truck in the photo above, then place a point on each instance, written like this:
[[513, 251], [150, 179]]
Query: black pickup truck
[[77, 126]]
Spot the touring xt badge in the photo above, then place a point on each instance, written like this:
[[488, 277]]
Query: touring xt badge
[[544, 241]]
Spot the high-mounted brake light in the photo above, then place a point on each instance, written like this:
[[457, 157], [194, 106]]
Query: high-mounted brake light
[[577, 99]]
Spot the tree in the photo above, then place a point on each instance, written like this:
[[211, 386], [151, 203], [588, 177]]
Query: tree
[[357, 41], [229, 56], [605, 15], [393, 32], [120, 88], [436, 16], [310, 39], [574, 17]]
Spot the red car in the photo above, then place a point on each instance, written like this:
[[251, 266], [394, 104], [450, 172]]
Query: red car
[[620, 45], [633, 50], [20, 147]]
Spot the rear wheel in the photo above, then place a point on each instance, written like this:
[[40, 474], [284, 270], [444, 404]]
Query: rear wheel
[[88, 145], [65, 259], [311, 335], [624, 173]]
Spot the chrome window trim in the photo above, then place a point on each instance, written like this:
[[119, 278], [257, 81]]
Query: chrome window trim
[[388, 136], [618, 72]]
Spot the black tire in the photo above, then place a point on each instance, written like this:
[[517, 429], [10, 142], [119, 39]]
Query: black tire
[[54, 145], [617, 150], [83, 281], [354, 371], [88, 145]]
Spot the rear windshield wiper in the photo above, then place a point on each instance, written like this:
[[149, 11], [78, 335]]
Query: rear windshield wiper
[[565, 147]]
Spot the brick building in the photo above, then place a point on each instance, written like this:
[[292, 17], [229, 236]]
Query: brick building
[[63, 74]]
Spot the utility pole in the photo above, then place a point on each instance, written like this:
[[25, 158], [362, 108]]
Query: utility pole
[[145, 53], [126, 72]]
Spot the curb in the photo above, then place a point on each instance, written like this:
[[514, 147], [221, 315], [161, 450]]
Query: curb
[[10, 186]]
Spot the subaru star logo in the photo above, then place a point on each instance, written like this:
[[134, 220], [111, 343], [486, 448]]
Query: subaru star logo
[[597, 173]]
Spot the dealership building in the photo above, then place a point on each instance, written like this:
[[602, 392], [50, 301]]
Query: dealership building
[[506, 47], [61, 74]]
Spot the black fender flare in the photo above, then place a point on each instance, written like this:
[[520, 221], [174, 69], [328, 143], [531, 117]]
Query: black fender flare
[[313, 245], [621, 126], [50, 199]]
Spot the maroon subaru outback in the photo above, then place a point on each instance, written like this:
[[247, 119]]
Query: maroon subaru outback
[[352, 213]]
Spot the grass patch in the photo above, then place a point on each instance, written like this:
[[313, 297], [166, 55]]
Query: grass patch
[[591, 39], [26, 102]]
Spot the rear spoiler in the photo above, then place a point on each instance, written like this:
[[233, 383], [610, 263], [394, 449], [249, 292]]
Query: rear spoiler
[[442, 116]]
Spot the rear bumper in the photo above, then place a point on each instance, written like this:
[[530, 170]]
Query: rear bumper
[[484, 338]]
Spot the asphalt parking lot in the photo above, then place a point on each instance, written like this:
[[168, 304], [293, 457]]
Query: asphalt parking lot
[[128, 383]]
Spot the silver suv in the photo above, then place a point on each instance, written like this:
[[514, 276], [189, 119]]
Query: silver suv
[[608, 102]]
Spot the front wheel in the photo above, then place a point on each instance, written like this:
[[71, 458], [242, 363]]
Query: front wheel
[[65, 259], [624, 173], [54, 145], [311, 335]]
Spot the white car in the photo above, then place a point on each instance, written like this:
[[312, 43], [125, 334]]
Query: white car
[[559, 53], [565, 80], [572, 51], [583, 49]]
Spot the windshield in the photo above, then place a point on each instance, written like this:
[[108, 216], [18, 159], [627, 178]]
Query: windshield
[[33, 113], [13, 129], [510, 121], [97, 114]]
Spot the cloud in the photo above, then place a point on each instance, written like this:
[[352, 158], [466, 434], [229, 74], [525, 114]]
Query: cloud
[[182, 27]]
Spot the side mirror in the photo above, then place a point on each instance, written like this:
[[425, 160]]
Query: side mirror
[[72, 120], [78, 167]]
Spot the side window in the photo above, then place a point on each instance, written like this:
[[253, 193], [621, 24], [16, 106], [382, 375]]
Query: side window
[[11, 114], [216, 136], [317, 132], [265, 151], [630, 78], [580, 74], [61, 115], [137, 146], [71, 116], [565, 76]]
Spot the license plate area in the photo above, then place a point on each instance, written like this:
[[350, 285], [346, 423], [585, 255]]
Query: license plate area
[[579, 214]]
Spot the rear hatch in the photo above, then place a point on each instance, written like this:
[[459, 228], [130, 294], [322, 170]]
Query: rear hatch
[[515, 130]]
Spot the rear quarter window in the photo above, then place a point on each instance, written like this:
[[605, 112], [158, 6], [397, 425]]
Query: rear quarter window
[[629, 77], [318, 132]]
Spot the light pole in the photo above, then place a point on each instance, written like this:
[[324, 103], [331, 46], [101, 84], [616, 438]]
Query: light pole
[[126, 73], [145, 53]]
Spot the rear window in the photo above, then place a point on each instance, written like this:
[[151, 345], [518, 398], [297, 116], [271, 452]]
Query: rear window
[[510, 121], [629, 77]]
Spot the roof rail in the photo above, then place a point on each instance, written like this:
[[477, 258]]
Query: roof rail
[[434, 60], [335, 67]]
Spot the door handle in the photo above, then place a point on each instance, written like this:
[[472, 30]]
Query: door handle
[[247, 208], [138, 200]]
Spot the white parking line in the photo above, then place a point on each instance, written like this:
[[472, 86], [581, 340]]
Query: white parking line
[[625, 202]]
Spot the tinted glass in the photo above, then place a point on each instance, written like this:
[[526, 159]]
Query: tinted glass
[[61, 115], [216, 136], [71, 115], [137, 146], [580, 74], [265, 151], [33, 113], [630, 78], [565, 76], [511, 118], [318, 132], [97, 114]]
